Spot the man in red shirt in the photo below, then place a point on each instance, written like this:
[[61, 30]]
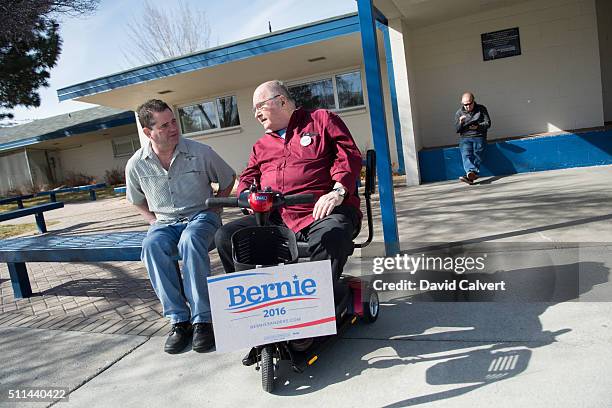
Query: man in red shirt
[[303, 152]]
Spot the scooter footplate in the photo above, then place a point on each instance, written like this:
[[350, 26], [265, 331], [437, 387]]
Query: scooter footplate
[[309, 357]]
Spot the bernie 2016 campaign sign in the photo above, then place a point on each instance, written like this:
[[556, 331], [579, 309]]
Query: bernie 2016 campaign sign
[[266, 305]]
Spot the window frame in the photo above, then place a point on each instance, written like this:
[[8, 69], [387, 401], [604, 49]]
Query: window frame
[[135, 141], [217, 121], [332, 76]]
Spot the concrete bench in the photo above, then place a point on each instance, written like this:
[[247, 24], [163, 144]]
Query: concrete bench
[[91, 188], [36, 210], [17, 199]]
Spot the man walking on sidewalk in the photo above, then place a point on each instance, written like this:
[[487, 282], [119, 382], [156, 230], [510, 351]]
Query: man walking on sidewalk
[[472, 122]]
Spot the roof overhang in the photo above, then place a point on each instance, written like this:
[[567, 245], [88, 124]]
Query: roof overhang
[[283, 55], [420, 13], [81, 139], [109, 122]]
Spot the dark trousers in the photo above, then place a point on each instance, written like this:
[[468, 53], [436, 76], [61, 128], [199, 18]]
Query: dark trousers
[[328, 238]]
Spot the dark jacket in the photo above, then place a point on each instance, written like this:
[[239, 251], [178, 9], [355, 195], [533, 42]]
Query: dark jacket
[[476, 123]]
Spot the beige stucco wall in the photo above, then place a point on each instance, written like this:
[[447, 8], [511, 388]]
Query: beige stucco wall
[[14, 172], [235, 145], [555, 83], [405, 94], [92, 159]]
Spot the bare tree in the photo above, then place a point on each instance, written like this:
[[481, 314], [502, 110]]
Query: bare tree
[[19, 16], [161, 33]]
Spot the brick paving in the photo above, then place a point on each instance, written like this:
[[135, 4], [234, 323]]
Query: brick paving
[[102, 297], [116, 297]]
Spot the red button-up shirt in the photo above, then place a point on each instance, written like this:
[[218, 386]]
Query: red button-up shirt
[[317, 151]]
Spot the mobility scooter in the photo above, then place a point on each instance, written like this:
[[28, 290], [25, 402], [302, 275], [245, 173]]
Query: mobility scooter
[[269, 245]]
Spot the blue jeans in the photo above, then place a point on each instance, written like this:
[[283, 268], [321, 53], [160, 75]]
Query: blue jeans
[[472, 153], [191, 241]]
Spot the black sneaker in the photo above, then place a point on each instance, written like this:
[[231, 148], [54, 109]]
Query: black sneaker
[[178, 338], [465, 179], [250, 358], [203, 337]]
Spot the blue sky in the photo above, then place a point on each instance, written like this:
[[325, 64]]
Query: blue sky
[[92, 46]]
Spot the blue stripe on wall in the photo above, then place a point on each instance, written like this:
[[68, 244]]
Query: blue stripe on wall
[[523, 155]]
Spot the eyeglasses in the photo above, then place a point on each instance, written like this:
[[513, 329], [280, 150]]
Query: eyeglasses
[[260, 105], [468, 104]]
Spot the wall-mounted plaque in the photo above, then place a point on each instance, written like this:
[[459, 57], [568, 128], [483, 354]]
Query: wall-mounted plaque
[[501, 44]]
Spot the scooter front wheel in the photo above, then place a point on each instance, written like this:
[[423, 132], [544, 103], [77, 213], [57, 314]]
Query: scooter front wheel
[[267, 368]]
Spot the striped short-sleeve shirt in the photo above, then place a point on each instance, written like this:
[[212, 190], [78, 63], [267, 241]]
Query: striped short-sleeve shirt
[[182, 190]]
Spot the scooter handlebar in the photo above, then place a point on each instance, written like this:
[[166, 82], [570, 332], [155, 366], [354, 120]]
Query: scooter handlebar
[[222, 202], [294, 199], [291, 199]]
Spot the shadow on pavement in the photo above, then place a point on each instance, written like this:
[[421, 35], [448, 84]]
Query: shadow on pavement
[[107, 288], [489, 180], [82, 228], [469, 348], [510, 234]]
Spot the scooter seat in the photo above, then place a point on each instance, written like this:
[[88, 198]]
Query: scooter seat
[[303, 251]]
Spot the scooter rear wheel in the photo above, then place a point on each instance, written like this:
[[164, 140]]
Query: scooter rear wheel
[[267, 368]]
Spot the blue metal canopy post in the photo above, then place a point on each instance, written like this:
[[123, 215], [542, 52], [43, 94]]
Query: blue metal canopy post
[[379, 125]]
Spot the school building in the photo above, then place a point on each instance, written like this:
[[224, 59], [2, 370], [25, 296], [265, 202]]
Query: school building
[[542, 67], [394, 71], [45, 152]]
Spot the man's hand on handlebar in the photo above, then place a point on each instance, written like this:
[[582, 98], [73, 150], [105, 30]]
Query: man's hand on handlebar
[[243, 202], [326, 204], [260, 202]]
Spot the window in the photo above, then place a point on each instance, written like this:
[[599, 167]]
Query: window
[[349, 90], [218, 113], [314, 95], [337, 92], [125, 146]]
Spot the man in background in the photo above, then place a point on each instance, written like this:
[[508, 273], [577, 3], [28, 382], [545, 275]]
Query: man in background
[[472, 123]]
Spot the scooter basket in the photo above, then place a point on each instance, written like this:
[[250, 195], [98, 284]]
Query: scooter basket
[[263, 246]]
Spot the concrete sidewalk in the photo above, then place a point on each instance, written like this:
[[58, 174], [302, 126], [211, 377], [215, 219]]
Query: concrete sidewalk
[[441, 354]]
